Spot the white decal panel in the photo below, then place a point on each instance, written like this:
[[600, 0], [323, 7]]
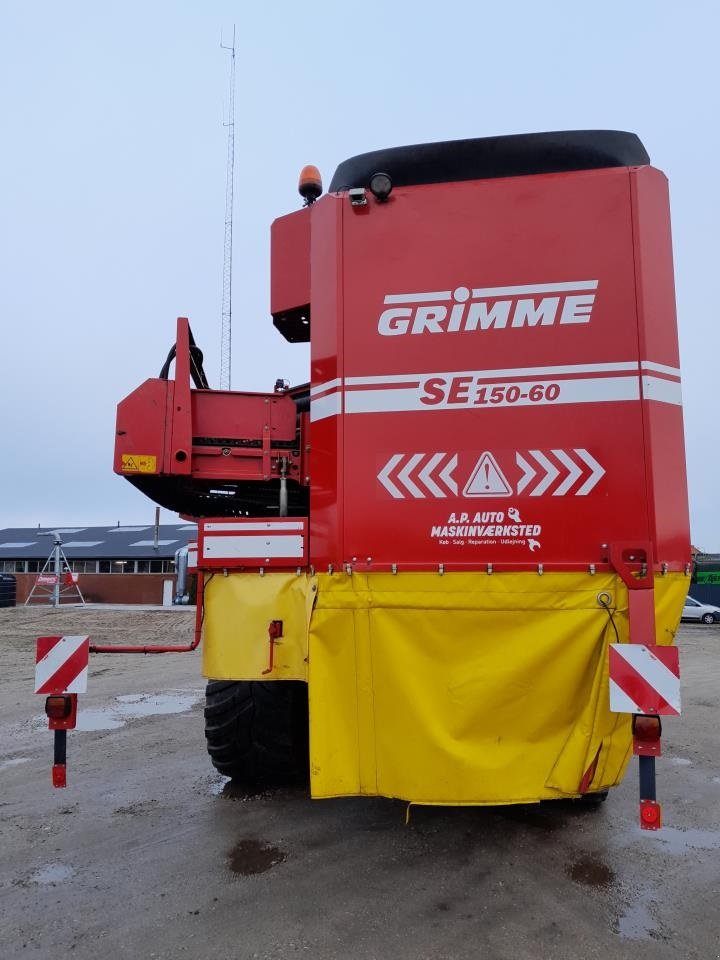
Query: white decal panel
[[615, 382], [488, 528], [419, 475], [556, 472], [498, 476], [487, 308]]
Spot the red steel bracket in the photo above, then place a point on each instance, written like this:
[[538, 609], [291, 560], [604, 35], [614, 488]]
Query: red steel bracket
[[275, 631], [633, 562]]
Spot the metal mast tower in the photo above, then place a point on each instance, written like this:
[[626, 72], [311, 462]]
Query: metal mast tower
[[55, 578], [226, 321]]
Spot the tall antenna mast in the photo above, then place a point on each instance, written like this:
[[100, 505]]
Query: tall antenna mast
[[226, 321]]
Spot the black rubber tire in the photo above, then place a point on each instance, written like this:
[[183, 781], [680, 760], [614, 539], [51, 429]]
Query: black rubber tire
[[256, 732], [708, 618], [593, 799]]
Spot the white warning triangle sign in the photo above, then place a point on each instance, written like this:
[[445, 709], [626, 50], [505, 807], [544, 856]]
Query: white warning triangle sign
[[487, 479]]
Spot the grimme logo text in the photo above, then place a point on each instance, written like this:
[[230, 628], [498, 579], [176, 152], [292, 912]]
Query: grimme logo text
[[488, 308]]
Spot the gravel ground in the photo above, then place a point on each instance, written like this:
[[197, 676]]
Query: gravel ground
[[149, 854]]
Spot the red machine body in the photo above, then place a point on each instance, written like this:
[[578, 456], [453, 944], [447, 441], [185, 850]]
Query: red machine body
[[209, 452], [495, 374], [494, 387]]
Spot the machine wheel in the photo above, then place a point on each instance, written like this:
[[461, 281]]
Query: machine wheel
[[708, 618], [593, 799], [257, 732]]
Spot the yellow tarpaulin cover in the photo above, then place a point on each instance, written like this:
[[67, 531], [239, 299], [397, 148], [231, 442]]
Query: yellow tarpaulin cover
[[469, 688], [458, 689], [238, 610]]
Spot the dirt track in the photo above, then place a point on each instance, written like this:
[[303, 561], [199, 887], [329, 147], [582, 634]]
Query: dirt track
[[149, 854]]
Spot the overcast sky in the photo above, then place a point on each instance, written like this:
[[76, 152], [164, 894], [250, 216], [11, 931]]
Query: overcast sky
[[113, 178]]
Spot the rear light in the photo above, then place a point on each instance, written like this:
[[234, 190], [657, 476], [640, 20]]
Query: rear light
[[58, 708], [59, 775], [646, 730], [646, 727], [310, 184], [650, 815]]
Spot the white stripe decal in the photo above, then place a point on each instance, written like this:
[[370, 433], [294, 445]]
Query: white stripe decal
[[595, 390], [528, 472], [241, 547], [239, 526], [574, 473], [381, 401], [52, 661], [426, 475], [79, 684], [384, 476], [660, 368], [446, 475], [620, 702], [483, 293], [574, 388], [246, 547], [652, 670], [327, 406], [551, 473], [418, 297], [324, 387], [629, 366], [664, 391], [404, 476], [597, 472]]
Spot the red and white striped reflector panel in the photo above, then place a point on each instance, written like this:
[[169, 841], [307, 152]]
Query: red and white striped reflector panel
[[644, 679], [61, 664]]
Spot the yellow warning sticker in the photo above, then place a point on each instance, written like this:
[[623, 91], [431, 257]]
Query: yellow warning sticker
[[138, 463]]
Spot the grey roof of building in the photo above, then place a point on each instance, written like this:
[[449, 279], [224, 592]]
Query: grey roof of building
[[96, 543]]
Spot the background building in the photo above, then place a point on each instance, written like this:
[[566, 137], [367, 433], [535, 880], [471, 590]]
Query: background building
[[705, 586], [114, 564]]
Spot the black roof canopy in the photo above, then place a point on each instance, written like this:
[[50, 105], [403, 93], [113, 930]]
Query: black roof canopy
[[97, 543], [486, 158]]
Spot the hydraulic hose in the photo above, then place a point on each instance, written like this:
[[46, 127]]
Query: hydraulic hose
[[163, 648]]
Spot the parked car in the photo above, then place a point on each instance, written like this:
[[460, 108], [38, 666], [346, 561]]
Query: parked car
[[704, 612]]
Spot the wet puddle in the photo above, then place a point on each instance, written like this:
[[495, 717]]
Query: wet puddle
[[51, 874], [250, 857], [13, 762], [236, 791], [134, 706], [102, 719], [636, 923], [217, 787], [230, 790], [591, 872], [678, 841]]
